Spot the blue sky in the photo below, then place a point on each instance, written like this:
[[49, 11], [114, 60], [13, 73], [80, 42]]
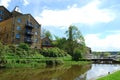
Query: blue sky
[[98, 20]]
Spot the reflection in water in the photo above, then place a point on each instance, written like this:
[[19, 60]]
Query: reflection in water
[[76, 72], [56, 73]]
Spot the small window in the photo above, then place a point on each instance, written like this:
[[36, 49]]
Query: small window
[[1, 18], [17, 36], [36, 33], [19, 20], [35, 40], [36, 26], [18, 28], [46, 42], [1, 12]]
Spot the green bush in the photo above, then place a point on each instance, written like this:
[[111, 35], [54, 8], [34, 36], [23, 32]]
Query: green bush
[[77, 54], [53, 52], [24, 46]]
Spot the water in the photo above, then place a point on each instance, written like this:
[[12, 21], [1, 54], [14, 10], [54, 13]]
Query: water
[[76, 72], [99, 70]]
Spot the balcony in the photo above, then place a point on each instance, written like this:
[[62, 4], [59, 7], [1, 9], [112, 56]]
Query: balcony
[[30, 33], [28, 40], [29, 25]]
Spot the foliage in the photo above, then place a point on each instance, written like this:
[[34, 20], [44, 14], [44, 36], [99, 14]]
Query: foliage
[[77, 54], [23, 56], [24, 46], [18, 55], [53, 52], [75, 38], [106, 54], [74, 34], [118, 53], [46, 33], [60, 43]]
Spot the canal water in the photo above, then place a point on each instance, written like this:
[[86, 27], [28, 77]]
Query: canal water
[[76, 72]]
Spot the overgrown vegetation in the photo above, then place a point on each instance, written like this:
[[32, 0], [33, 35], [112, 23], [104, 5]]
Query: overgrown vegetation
[[23, 56], [18, 56], [53, 52]]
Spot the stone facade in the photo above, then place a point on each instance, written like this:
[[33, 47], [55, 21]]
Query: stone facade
[[4, 13], [19, 28]]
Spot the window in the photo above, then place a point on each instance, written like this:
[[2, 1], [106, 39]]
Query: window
[[36, 26], [35, 40], [46, 42], [36, 33], [17, 36], [19, 20], [18, 28], [1, 18], [1, 12]]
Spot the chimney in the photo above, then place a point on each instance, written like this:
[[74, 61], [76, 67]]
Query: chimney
[[17, 9]]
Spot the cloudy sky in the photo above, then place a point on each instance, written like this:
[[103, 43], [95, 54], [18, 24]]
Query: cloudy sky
[[98, 20]]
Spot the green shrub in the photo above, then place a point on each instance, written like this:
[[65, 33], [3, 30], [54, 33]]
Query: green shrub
[[53, 52], [77, 54], [37, 56], [24, 46]]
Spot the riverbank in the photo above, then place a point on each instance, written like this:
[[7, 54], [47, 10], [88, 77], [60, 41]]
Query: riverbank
[[77, 62], [113, 76], [12, 56], [40, 62]]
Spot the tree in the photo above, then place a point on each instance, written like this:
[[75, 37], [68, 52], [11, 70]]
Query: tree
[[60, 42], [118, 53], [96, 54], [106, 54], [46, 33], [75, 39]]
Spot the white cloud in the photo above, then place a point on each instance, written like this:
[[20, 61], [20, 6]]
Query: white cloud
[[109, 43], [26, 2], [89, 14], [5, 2]]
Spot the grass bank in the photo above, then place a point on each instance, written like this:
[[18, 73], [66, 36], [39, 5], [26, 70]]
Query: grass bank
[[41, 62], [76, 62], [113, 76], [12, 56]]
